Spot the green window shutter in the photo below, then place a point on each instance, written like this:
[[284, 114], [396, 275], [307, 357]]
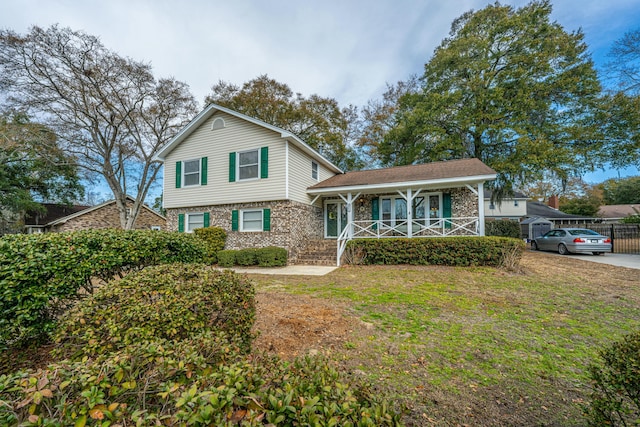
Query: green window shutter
[[178, 174], [206, 219], [264, 162], [266, 220], [234, 220], [446, 208], [232, 167], [375, 211], [203, 171], [181, 223]]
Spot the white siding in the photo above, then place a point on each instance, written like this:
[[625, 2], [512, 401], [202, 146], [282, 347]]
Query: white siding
[[300, 175], [506, 209], [237, 135]]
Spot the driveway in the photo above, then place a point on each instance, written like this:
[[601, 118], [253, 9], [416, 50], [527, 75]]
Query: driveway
[[620, 260]]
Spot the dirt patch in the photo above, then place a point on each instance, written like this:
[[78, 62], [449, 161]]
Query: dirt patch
[[294, 325]]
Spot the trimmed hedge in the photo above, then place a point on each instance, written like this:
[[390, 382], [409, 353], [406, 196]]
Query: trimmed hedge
[[270, 256], [214, 238], [452, 251], [169, 302], [615, 399], [503, 228], [41, 274]]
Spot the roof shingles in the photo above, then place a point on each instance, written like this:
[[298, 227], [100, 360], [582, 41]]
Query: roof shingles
[[411, 173]]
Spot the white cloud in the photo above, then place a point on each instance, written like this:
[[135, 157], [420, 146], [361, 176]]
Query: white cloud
[[345, 49]]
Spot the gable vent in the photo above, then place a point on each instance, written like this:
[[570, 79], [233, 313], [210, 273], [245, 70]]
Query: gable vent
[[218, 123]]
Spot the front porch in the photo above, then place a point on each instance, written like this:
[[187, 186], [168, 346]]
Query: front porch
[[408, 213]]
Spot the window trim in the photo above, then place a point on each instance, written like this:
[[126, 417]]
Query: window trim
[[187, 228], [238, 154], [184, 173], [315, 170], [241, 226]]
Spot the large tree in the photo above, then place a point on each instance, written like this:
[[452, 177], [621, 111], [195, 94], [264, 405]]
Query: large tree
[[318, 121], [109, 112], [623, 122], [510, 87], [33, 168]]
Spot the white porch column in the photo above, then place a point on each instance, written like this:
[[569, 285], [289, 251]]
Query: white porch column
[[481, 208], [349, 200], [409, 214]]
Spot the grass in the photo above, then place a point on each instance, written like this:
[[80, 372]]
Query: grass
[[481, 346]]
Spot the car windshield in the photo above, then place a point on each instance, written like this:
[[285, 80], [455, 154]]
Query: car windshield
[[583, 232]]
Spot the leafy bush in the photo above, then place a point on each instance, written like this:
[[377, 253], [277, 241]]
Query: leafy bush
[[453, 251], [271, 256], [214, 238], [503, 228], [246, 257], [159, 383], [41, 275], [168, 302], [227, 258], [615, 399]]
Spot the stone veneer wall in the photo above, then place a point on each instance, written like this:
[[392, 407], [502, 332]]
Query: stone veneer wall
[[463, 203], [108, 217], [293, 224]]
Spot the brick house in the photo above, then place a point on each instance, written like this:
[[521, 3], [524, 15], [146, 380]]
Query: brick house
[[266, 187], [62, 218]]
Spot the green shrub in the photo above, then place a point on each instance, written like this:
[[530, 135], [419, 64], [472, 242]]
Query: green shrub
[[246, 257], [503, 228], [227, 258], [169, 302], [453, 251], [271, 256], [159, 383], [214, 238], [615, 399], [41, 275]]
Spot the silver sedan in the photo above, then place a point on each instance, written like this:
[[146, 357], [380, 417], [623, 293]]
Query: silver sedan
[[572, 240]]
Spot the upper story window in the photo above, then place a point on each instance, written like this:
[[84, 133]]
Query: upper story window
[[248, 164], [515, 203], [314, 170], [191, 172]]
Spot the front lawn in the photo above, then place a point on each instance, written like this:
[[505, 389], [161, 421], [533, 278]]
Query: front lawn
[[475, 346]]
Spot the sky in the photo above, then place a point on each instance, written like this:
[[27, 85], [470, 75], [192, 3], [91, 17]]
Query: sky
[[345, 49]]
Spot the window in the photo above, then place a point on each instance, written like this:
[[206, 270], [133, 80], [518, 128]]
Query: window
[[156, 228], [248, 164], [515, 203], [191, 172], [492, 205], [427, 208], [314, 170], [194, 220], [251, 220]]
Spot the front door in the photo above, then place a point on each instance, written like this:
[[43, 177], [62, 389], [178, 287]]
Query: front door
[[335, 219]]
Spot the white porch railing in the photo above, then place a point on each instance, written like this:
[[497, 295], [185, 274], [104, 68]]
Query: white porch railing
[[378, 229]]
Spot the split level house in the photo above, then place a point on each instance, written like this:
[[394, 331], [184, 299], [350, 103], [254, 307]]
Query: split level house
[[267, 187]]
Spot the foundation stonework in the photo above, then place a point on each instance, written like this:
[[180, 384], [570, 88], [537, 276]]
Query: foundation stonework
[[293, 224]]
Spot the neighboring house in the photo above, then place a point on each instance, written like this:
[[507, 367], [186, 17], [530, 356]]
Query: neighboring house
[[557, 217], [614, 213], [62, 218], [265, 187], [513, 208], [36, 222]]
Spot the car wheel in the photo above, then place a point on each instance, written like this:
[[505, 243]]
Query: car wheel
[[534, 246], [598, 253], [562, 249]]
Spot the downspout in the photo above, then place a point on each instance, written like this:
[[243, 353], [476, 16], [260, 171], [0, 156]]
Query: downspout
[[286, 169]]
